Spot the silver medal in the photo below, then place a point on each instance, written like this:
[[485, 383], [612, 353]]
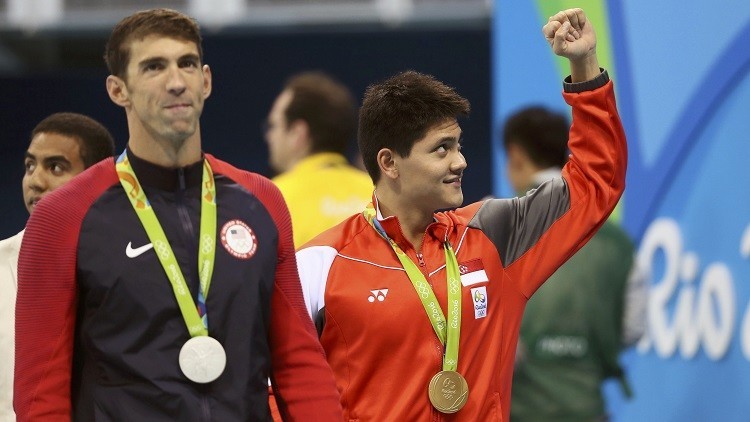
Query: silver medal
[[202, 359]]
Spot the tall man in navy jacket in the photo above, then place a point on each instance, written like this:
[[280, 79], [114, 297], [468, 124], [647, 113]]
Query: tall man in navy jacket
[[163, 285]]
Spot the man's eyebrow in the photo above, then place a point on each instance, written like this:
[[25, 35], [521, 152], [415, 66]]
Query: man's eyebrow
[[190, 56], [448, 138], [50, 159], [56, 158], [158, 59], [150, 60]]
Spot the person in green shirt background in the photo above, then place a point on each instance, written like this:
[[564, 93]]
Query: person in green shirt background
[[578, 322]]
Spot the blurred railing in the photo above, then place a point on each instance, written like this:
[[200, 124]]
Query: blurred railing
[[33, 15]]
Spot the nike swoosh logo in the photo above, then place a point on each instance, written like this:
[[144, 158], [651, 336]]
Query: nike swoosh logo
[[132, 253]]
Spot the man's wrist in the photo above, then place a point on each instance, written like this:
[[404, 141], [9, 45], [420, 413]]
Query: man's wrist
[[585, 68], [599, 81]]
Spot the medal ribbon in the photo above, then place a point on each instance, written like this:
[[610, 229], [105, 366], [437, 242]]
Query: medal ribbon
[[448, 331], [195, 317]]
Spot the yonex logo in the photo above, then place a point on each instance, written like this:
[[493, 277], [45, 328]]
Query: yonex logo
[[378, 295]]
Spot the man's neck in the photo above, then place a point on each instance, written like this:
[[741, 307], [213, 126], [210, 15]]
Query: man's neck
[[166, 153], [299, 155], [544, 174], [539, 176], [413, 221]]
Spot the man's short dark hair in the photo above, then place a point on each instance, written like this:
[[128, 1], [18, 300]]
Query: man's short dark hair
[[399, 111], [542, 133], [94, 140], [328, 108], [163, 22]]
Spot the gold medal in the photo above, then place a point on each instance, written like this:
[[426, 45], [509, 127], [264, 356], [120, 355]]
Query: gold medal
[[448, 391]]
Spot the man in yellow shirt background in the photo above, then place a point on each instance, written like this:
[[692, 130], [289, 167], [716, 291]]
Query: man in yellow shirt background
[[309, 128]]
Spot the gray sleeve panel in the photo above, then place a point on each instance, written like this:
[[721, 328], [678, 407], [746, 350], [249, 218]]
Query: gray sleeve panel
[[515, 225]]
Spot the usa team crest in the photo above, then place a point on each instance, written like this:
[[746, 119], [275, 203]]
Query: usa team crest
[[239, 239]]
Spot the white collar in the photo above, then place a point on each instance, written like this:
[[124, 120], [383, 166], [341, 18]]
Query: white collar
[[546, 174]]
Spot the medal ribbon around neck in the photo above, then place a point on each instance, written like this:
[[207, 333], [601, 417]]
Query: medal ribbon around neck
[[447, 331], [196, 317]]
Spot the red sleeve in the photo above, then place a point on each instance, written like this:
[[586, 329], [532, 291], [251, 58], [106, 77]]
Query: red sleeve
[[47, 291], [595, 176], [303, 381]]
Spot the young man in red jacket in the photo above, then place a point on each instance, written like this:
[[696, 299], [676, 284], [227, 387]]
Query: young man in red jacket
[[419, 310]]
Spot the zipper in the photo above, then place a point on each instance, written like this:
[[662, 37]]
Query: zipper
[[437, 416], [205, 408], [181, 178], [420, 256], [182, 208], [188, 231], [420, 259]]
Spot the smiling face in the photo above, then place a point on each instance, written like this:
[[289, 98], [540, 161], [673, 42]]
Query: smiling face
[[430, 177], [51, 161], [164, 89]]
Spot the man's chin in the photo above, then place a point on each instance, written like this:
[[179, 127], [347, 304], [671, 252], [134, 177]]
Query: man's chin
[[451, 203], [181, 126], [178, 134], [457, 201]]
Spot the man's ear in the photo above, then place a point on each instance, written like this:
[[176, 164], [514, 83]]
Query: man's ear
[[118, 91], [207, 86], [386, 159], [300, 131], [519, 156]]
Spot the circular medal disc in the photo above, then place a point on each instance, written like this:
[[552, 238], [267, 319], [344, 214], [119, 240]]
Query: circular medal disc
[[202, 359], [448, 391]]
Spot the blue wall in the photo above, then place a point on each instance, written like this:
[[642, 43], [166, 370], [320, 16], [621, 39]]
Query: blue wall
[[683, 86]]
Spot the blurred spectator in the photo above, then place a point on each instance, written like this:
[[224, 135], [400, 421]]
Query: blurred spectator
[[576, 324], [62, 145], [308, 131]]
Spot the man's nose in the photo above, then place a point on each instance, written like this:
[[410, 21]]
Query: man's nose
[[37, 180], [459, 164], [176, 81]]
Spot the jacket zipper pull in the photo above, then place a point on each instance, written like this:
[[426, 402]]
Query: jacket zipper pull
[[181, 177], [421, 259]]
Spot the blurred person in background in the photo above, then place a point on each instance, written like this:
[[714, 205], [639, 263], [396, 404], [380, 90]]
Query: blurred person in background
[[115, 319], [576, 324], [62, 146], [309, 128]]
